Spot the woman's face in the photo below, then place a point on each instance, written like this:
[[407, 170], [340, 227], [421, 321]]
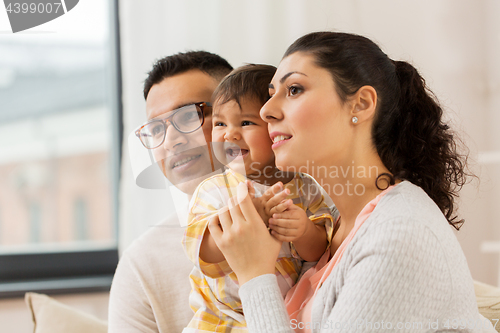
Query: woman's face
[[307, 121]]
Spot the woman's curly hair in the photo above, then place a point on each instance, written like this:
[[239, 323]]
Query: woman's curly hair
[[408, 131]]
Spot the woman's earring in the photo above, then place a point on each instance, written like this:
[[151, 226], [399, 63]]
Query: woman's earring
[[354, 120]]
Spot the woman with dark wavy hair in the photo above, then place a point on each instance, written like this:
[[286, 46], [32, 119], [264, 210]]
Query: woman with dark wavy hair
[[368, 129]]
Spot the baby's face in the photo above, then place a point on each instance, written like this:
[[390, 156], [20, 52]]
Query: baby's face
[[247, 145]]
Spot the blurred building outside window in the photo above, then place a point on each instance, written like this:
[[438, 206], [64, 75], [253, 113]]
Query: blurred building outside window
[[56, 136]]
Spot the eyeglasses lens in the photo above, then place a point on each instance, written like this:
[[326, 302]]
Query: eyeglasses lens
[[152, 134], [186, 120]]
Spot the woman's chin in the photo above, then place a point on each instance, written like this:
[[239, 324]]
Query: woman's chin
[[281, 166], [287, 165]]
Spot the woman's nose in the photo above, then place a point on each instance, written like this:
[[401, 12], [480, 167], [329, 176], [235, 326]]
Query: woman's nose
[[271, 111]]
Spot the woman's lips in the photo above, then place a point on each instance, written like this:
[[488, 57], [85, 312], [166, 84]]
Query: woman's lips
[[279, 138]]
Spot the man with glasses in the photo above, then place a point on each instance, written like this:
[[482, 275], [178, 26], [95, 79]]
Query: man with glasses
[[150, 287], [177, 143]]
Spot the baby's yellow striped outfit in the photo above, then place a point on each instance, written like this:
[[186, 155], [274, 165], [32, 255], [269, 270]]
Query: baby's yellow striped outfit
[[214, 295]]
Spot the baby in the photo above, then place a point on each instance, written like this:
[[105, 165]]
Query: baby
[[295, 212]]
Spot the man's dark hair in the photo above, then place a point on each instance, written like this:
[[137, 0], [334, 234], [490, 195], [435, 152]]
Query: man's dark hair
[[210, 63], [248, 81]]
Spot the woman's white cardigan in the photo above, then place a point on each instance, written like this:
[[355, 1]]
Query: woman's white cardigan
[[403, 271]]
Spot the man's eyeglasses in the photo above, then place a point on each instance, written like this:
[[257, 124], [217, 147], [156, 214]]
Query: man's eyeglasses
[[186, 119]]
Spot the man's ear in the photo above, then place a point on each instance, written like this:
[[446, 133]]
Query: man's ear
[[364, 104]]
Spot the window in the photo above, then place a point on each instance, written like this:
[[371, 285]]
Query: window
[[60, 138], [34, 214], [81, 223]]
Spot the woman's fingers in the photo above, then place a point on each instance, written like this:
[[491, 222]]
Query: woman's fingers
[[224, 217], [240, 229], [245, 206], [251, 189], [215, 229]]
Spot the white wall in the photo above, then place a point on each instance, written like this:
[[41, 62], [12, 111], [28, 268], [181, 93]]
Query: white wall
[[454, 43]]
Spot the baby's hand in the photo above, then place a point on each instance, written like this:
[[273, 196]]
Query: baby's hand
[[290, 224], [272, 201]]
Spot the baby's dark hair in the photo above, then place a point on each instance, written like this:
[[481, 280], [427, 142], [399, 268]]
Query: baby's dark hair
[[248, 81], [408, 130]]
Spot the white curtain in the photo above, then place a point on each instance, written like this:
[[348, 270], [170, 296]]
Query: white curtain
[[454, 43]]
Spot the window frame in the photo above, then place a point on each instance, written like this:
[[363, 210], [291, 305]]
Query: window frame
[[76, 271]]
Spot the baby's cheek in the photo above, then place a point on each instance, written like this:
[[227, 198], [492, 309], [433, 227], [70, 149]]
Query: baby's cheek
[[217, 136], [217, 146]]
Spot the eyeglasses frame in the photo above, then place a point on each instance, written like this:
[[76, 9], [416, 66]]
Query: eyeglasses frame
[[200, 105]]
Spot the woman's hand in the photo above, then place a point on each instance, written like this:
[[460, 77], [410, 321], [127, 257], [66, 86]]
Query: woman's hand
[[243, 238]]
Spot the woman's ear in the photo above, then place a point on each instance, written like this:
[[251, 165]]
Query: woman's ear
[[364, 104]]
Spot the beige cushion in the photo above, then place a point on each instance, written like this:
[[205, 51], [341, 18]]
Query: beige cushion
[[488, 302], [51, 316]]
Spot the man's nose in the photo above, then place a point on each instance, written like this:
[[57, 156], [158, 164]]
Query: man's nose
[[173, 138]]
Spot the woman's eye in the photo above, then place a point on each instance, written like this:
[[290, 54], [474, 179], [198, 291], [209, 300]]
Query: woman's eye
[[246, 123], [294, 90]]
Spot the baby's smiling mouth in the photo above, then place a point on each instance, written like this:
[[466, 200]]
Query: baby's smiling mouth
[[236, 151]]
